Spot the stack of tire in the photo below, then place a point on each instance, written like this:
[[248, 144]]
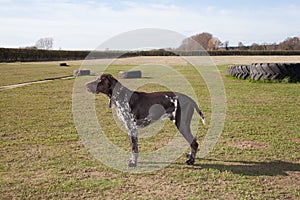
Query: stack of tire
[[239, 71], [266, 71]]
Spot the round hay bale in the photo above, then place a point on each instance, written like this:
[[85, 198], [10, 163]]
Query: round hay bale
[[130, 74]]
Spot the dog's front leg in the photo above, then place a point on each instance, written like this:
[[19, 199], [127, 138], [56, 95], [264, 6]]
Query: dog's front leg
[[134, 148]]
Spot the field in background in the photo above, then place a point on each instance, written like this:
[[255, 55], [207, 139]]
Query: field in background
[[180, 61], [42, 156]]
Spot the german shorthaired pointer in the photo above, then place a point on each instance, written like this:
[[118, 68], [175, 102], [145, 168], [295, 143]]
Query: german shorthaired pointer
[[139, 109]]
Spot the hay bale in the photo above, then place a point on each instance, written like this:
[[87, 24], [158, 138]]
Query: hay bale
[[130, 74], [63, 64], [82, 72]]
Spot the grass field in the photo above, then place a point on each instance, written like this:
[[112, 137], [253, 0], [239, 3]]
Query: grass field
[[42, 156]]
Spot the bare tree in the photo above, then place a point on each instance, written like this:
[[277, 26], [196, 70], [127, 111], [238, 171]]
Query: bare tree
[[290, 44], [226, 45], [192, 43], [203, 39], [213, 44], [241, 46], [272, 47], [255, 47], [44, 43], [264, 46]]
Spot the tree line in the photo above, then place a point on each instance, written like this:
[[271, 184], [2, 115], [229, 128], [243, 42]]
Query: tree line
[[209, 45], [31, 55], [206, 41]]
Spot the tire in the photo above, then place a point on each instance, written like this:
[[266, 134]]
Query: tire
[[130, 74], [229, 70], [243, 71], [239, 71], [275, 71]]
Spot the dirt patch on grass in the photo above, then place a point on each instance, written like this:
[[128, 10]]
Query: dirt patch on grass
[[291, 180], [287, 186], [248, 144], [296, 140]]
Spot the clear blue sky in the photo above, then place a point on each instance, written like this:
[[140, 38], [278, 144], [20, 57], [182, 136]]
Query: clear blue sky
[[86, 24]]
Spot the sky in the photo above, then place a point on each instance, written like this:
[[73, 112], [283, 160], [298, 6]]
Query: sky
[[84, 25]]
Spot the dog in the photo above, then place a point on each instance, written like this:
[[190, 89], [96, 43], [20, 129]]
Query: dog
[[140, 109]]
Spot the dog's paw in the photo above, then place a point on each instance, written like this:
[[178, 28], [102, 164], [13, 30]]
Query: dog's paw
[[131, 163], [190, 161], [188, 155]]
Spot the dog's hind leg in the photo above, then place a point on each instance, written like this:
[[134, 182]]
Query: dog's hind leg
[[182, 122], [186, 133], [194, 147]]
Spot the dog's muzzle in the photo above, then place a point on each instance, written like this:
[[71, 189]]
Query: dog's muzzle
[[92, 87]]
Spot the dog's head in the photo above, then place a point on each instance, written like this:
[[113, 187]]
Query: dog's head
[[103, 84]]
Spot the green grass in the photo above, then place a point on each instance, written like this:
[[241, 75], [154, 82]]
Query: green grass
[[285, 80], [42, 156], [14, 73]]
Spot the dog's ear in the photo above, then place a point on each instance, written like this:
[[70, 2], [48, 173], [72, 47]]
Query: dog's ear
[[106, 76], [111, 78]]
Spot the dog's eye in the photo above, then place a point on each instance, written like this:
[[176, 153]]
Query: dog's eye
[[101, 79]]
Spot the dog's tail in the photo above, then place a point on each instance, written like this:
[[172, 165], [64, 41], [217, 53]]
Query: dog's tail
[[200, 113]]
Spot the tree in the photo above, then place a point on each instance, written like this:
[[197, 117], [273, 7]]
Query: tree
[[203, 39], [44, 43], [264, 46], [213, 44], [241, 46], [272, 47], [290, 44], [255, 47], [226, 45], [192, 43]]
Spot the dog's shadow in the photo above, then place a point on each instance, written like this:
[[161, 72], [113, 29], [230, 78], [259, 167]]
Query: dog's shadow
[[247, 168], [143, 77]]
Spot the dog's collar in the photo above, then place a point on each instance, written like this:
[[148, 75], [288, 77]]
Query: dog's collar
[[109, 103]]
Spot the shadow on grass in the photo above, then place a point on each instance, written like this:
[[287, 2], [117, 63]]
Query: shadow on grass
[[246, 168]]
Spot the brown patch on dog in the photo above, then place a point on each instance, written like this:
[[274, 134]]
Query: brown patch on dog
[[248, 144]]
